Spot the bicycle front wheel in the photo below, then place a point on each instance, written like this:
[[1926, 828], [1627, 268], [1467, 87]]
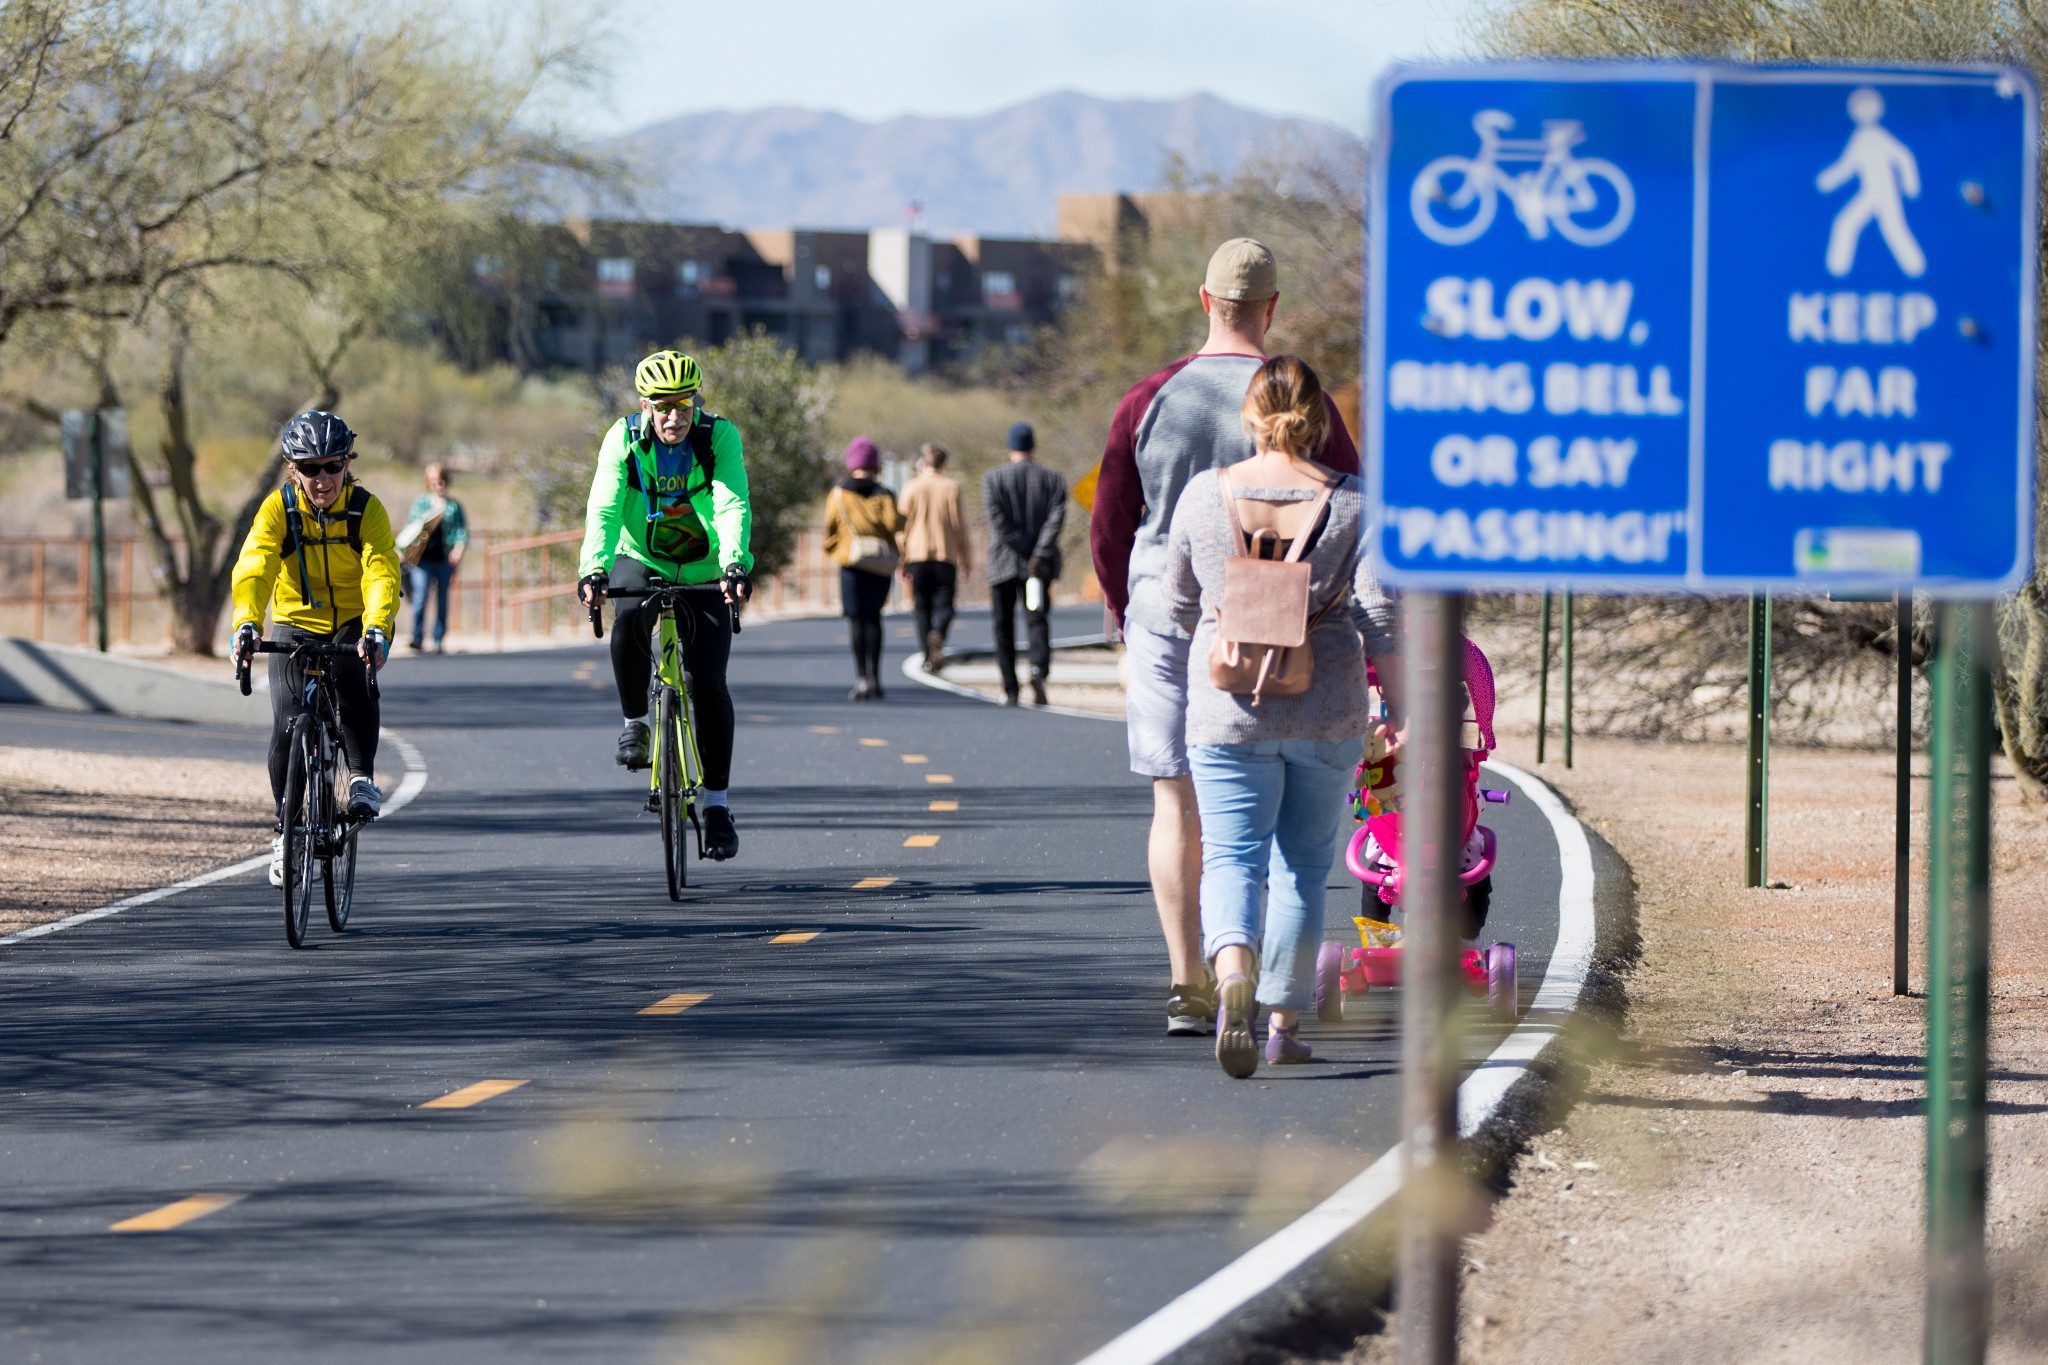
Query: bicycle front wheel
[[675, 806], [303, 817], [338, 878]]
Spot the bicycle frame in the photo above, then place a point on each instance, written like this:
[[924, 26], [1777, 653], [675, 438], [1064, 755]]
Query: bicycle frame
[[669, 673]]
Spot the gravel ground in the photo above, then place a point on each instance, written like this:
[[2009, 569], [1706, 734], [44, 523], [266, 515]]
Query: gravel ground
[[1742, 1179], [80, 830]]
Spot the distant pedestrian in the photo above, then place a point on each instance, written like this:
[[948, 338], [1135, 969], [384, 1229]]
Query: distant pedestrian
[[1273, 736], [934, 544], [1170, 427], [1026, 507], [862, 524], [435, 537]]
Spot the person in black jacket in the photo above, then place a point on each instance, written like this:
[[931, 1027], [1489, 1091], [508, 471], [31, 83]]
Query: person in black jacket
[[1026, 506]]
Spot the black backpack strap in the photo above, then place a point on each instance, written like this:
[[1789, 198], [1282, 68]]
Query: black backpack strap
[[358, 504], [295, 535]]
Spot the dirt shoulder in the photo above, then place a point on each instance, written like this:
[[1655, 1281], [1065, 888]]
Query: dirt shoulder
[[79, 830], [1741, 1179]]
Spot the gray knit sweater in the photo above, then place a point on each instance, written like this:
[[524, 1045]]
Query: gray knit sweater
[[1334, 707]]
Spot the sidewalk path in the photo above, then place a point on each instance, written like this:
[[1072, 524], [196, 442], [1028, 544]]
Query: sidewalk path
[[894, 1078]]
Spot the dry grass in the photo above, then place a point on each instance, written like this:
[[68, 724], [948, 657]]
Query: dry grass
[[1742, 1180], [80, 830]]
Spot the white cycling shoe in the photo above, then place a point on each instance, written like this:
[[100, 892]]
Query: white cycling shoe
[[365, 802], [277, 861]]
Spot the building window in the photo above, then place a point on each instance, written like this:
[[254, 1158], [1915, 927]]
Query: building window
[[615, 277], [689, 276], [999, 289], [822, 276]]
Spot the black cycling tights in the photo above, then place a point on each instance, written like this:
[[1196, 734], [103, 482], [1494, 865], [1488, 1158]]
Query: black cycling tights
[[356, 705], [704, 622]]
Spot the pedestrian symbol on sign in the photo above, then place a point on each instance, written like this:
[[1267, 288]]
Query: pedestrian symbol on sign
[[1886, 174]]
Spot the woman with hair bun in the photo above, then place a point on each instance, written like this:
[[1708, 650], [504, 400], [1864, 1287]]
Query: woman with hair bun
[[1271, 768]]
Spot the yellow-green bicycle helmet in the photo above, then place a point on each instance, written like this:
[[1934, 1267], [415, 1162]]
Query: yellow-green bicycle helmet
[[667, 374]]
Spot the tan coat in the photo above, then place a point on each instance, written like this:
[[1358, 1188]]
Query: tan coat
[[936, 530], [858, 508]]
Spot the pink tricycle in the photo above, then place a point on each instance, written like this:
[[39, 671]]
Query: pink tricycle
[[1374, 857]]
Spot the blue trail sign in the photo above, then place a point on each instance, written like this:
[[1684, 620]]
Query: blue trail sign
[[1659, 327]]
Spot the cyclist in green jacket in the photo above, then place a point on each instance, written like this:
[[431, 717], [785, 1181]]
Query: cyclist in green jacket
[[669, 504]]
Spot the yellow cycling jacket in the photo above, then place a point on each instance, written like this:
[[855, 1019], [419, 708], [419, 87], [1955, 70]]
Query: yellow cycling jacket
[[345, 582]]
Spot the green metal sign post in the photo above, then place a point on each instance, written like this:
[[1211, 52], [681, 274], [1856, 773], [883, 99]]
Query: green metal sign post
[[1757, 834], [1958, 982], [1902, 793], [1543, 682], [99, 526], [1567, 677]]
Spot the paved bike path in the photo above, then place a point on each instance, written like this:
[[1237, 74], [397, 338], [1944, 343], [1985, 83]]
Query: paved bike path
[[950, 1116]]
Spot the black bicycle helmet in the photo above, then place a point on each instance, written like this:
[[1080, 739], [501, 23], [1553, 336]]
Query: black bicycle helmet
[[316, 435]]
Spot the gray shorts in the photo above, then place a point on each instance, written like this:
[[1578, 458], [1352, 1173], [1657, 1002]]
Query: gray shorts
[[1156, 701]]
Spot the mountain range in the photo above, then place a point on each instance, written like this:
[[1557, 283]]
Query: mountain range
[[998, 174]]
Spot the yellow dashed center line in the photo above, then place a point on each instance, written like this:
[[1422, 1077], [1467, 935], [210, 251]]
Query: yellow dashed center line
[[760, 720], [873, 883], [915, 758], [472, 1094], [676, 1004], [944, 806], [939, 779], [824, 729], [872, 743], [175, 1215], [921, 841], [796, 936]]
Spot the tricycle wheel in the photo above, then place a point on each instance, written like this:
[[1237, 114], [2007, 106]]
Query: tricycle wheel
[[1329, 991], [1503, 986]]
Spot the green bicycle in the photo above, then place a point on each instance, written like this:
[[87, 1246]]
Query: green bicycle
[[675, 770]]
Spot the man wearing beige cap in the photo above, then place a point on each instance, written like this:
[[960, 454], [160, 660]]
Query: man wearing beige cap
[[1169, 428]]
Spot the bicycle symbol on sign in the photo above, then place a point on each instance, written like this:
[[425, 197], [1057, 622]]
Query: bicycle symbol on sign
[[1587, 199]]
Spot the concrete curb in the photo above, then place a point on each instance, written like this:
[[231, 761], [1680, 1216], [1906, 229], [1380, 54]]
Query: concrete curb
[[65, 678]]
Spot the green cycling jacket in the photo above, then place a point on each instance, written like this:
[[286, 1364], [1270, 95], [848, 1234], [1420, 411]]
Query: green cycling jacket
[[698, 521]]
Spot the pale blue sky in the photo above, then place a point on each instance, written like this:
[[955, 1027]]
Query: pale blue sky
[[879, 58]]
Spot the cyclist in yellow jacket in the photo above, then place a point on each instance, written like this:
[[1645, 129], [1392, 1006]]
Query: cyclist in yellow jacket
[[324, 544]]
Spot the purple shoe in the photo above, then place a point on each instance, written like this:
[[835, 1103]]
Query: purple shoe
[[1283, 1048], [1237, 1047]]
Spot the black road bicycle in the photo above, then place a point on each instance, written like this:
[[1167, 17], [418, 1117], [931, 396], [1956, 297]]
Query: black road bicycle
[[678, 772], [319, 832]]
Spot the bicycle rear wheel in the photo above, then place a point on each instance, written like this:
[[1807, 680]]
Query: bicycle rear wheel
[[303, 817], [674, 807]]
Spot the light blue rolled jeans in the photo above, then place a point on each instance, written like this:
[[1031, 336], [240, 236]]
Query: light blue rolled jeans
[[1269, 817]]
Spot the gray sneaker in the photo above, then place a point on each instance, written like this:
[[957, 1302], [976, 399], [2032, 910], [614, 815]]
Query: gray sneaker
[[634, 745], [1190, 1010], [277, 861], [365, 802]]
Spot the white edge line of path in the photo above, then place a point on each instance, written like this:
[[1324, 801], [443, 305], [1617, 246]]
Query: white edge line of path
[[409, 787], [1288, 1250]]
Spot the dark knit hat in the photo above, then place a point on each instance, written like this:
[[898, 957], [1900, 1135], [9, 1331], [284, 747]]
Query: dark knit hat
[[862, 454], [1021, 437]]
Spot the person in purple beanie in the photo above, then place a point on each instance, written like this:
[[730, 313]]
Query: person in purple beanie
[[862, 524]]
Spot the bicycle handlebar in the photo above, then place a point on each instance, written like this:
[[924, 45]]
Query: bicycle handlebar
[[319, 649], [665, 590]]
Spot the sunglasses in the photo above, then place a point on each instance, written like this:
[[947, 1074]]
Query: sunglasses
[[672, 404], [323, 469]]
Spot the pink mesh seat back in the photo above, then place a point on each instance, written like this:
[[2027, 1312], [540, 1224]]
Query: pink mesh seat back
[[1479, 686]]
